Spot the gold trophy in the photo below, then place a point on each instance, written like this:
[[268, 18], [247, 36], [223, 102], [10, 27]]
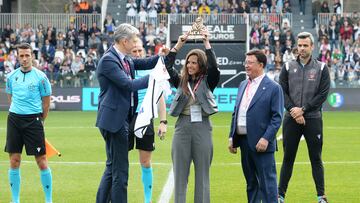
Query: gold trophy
[[197, 27]]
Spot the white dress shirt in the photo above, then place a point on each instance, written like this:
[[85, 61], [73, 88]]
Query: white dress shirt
[[248, 95]]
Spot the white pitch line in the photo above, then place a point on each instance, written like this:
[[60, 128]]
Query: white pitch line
[[168, 188], [170, 164]]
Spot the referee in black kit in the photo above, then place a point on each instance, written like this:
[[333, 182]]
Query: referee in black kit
[[305, 84]]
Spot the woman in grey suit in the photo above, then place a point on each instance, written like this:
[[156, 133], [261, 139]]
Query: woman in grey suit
[[193, 104]]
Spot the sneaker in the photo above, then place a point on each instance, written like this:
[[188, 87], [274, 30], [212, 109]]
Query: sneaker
[[281, 199], [322, 199]]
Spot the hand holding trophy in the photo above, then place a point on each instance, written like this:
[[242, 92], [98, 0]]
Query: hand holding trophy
[[196, 29]]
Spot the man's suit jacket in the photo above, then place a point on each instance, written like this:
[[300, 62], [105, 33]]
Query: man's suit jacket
[[116, 87], [264, 115]]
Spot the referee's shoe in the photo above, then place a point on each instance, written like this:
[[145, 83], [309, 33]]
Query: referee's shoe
[[322, 199]]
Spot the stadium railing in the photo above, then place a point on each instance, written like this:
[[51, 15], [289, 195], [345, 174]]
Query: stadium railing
[[325, 18], [221, 18], [60, 21]]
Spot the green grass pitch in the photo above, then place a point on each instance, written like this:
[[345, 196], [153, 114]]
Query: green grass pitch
[[77, 173]]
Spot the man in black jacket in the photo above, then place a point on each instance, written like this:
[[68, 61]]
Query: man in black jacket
[[305, 84]]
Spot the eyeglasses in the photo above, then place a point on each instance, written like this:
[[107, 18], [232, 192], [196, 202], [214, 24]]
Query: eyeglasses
[[250, 62]]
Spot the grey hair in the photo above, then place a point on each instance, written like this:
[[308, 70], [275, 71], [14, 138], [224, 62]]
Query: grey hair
[[304, 35], [125, 31]]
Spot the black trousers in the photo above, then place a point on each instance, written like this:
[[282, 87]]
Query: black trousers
[[313, 133]]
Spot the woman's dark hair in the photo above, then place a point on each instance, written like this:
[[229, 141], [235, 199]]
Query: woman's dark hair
[[202, 61]]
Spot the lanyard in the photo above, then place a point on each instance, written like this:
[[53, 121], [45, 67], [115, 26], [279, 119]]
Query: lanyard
[[247, 96], [192, 91]]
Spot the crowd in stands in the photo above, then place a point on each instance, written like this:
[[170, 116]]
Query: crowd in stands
[[69, 58], [339, 48], [263, 32]]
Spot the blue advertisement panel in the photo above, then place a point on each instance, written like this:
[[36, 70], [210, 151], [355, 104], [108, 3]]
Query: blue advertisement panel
[[90, 99], [225, 98], [340, 99]]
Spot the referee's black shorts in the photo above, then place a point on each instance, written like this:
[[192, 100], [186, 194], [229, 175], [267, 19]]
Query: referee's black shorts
[[25, 130], [145, 143]]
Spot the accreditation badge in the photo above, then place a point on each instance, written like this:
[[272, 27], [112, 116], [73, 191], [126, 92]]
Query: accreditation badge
[[195, 113]]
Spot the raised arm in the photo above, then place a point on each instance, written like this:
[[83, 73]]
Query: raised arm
[[213, 72], [174, 74]]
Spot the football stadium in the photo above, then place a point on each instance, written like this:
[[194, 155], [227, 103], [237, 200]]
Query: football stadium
[[69, 44]]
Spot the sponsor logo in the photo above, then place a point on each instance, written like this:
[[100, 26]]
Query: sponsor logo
[[66, 99], [336, 100], [90, 99], [222, 61], [218, 32]]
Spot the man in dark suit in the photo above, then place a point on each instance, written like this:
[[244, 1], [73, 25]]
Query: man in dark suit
[[255, 122], [117, 102]]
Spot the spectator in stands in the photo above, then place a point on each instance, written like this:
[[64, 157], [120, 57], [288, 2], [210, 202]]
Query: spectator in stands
[[60, 40], [75, 65], [337, 7], [83, 37], [193, 8], [7, 32], [24, 38], [94, 29], [204, 9], [174, 8], [346, 31], [51, 34], [288, 55], [109, 24], [286, 8], [316, 9], [356, 30], [264, 8], [270, 59], [59, 53], [13, 41], [103, 46], [244, 7], [287, 36], [255, 3], [302, 6], [48, 51], [17, 29], [93, 42], [90, 68], [55, 78], [325, 7], [164, 7], [40, 36], [94, 8], [131, 8], [323, 32], [143, 15], [84, 6], [72, 37], [333, 33], [152, 11]]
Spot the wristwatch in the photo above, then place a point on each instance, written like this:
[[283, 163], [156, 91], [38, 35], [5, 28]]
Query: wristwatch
[[303, 109], [164, 122]]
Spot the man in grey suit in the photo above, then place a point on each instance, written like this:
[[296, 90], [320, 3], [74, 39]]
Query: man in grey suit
[[117, 102]]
